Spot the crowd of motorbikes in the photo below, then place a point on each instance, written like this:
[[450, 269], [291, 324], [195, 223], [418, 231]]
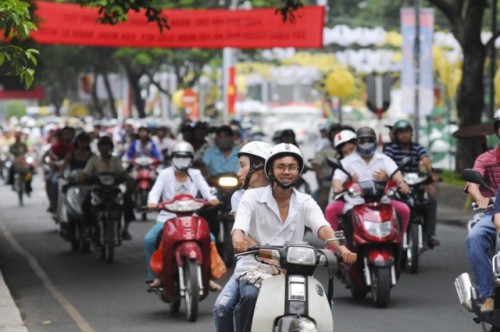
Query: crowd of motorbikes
[[182, 260]]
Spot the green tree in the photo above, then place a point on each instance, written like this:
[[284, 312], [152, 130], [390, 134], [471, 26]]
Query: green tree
[[466, 22], [15, 22]]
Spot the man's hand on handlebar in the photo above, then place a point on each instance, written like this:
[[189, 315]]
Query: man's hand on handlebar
[[483, 202], [214, 202]]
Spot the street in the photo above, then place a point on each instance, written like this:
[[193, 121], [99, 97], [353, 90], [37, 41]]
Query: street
[[57, 290]]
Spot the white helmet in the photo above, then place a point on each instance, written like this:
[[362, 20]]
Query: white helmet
[[182, 155], [281, 150], [257, 152], [343, 137], [182, 148], [258, 149], [496, 121]]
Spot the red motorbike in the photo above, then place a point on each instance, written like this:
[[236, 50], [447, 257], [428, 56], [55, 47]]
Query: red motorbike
[[144, 172], [182, 260], [373, 232]]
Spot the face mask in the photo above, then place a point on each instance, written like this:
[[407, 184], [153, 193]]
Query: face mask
[[224, 144], [366, 149], [181, 163]]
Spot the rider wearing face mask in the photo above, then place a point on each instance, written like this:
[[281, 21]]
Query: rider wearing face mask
[[177, 179], [368, 164], [222, 158]]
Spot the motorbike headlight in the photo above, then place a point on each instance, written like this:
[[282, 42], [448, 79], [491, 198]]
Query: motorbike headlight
[[411, 178], [106, 180], [228, 181], [29, 160], [378, 229], [295, 324], [301, 255]]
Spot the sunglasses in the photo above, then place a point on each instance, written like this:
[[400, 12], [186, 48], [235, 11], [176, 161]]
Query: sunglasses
[[366, 140]]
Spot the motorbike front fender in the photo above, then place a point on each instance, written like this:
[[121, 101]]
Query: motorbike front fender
[[189, 250], [381, 257]]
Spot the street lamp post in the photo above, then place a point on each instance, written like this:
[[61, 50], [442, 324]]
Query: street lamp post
[[227, 62], [416, 57]]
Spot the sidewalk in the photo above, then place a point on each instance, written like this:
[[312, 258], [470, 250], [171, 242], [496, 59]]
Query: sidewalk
[[10, 317]]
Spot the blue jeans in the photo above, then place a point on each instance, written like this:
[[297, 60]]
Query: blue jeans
[[480, 239], [150, 245], [246, 306], [54, 190], [225, 304]]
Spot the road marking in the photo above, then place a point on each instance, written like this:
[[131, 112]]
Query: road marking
[[70, 309]]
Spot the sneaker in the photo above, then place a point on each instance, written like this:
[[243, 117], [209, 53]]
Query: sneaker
[[126, 235], [488, 305], [432, 241]]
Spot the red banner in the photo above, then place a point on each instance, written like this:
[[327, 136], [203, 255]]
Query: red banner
[[36, 93], [70, 24]]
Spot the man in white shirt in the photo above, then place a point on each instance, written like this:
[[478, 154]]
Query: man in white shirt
[[274, 215], [368, 164]]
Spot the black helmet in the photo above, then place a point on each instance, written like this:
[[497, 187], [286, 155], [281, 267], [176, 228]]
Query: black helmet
[[83, 136], [105, 140]]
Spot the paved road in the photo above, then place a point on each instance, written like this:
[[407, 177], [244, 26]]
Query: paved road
[[57, 290]]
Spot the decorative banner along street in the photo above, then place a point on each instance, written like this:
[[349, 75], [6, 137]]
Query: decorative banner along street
[[426, 89], [70, 24]]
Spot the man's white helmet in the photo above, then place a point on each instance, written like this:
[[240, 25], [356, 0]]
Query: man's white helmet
[[281, 150], [258, 149], [343, 137]]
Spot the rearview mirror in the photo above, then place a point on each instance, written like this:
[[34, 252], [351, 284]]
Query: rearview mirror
[[475, 177], [340, 237]]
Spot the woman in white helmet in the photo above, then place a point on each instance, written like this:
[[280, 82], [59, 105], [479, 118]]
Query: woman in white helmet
[[251, 174], [177, 179], [274, 215], [345, 144]]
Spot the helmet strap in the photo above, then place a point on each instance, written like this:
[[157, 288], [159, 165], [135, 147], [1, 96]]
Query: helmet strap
[[280, 184], [250, 173]]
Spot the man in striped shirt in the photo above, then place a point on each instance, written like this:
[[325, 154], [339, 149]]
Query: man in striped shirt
[[402, 146]]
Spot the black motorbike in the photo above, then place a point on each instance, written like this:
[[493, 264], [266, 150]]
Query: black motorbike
[[223, 186], [466, 289], [107, 206], [71, 216], [415, 238]]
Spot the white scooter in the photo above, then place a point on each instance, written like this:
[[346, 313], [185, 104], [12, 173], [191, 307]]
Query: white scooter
[[295, 301]]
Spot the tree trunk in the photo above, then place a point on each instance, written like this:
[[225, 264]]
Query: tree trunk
[[470, 105], [470, 96], [135, 88], [109, 92]]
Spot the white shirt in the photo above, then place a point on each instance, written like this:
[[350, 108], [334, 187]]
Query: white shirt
[[354, 164], [235, 200], [258, 216], [164, 188]]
